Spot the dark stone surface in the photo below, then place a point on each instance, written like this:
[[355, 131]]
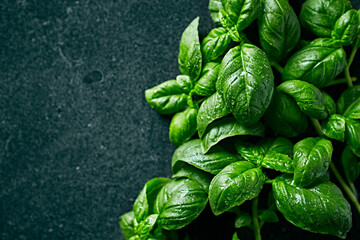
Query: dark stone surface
[[77, 138]]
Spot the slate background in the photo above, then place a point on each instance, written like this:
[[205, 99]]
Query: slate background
[[77, 138]]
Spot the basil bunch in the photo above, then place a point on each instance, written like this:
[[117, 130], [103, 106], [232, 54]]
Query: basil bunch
[[237, 129]]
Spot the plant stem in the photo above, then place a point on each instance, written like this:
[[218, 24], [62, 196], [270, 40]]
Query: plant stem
[[347, 75], [345, 186], [317, 127], [352, 187], [349, 62], [340, 81], [277, 66], [255, 202]]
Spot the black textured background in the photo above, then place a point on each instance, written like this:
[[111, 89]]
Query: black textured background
[[77, 138]]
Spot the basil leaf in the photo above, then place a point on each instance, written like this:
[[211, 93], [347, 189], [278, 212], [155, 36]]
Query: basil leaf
[[215, 44], [320, 209], [318, 63], [243, 219], [350, 165], [334, 127], [268, 153], [349, 103], [308, 97], [242, 12], [214, 8], [284, 117], [268, 216], [246, 82], [320, 16], [190, 58], [235, 237], [127, 225], [236, 183], [346, 28], [279, 29], [312, 157], [329, 104], [352, 135], [206, 84], [200, 177], [213, 162], [183, 126], [145, 226], [145, 201], [228, 127], [211, 109], [179, 203], [168, 97]]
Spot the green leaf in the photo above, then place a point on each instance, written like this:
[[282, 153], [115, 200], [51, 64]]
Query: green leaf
[[144, 202], [190, 58], [329, 104], [246, 82], [145, 226], [214, 8], [183, 126], [206, 85], [236, 183], [269, 216], [334, 127], [350, 165], [349, 103], [318, 63], [168, 97], [215, 44], [213, 162], [211, 109], [312, 157], [243, 219], [346, 28], [320, 16], [235, 237], [308, 97], [127, 225], [270, 153], [200, 177], [279, 29], [242, 12], [228, 127], [352, 135], [284, 117], [179, 203], [320, 209]]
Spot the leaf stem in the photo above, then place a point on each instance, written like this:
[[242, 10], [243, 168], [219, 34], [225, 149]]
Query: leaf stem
[[347, 75], [345, 186], [349, 62], [317, 127], [255, 202], [340, 81], [277, 66]]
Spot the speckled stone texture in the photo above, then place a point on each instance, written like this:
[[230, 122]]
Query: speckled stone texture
[[77, 138]]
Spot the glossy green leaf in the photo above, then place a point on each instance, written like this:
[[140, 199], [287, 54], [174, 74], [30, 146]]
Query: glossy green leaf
[[168, 97], [200, 177], [312, 157], [190, 57], [279, 29], [206, 85], [145, 226], [284, 117], [179, 203], [269, 216], [320, 209], [308, 97], [214, 8], [235, 237], [329, 104], [352, 135], [211, 109], [243, 219], [215, 44], [213, 162], [145, 201], [320, 16], [242, 12], [272, 153], [334, 127], [246, 82], [234, 185], [183, 126], [228, 127], [346, 27], [318, 63], [350, 165], [349, 103], [127, 225]]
